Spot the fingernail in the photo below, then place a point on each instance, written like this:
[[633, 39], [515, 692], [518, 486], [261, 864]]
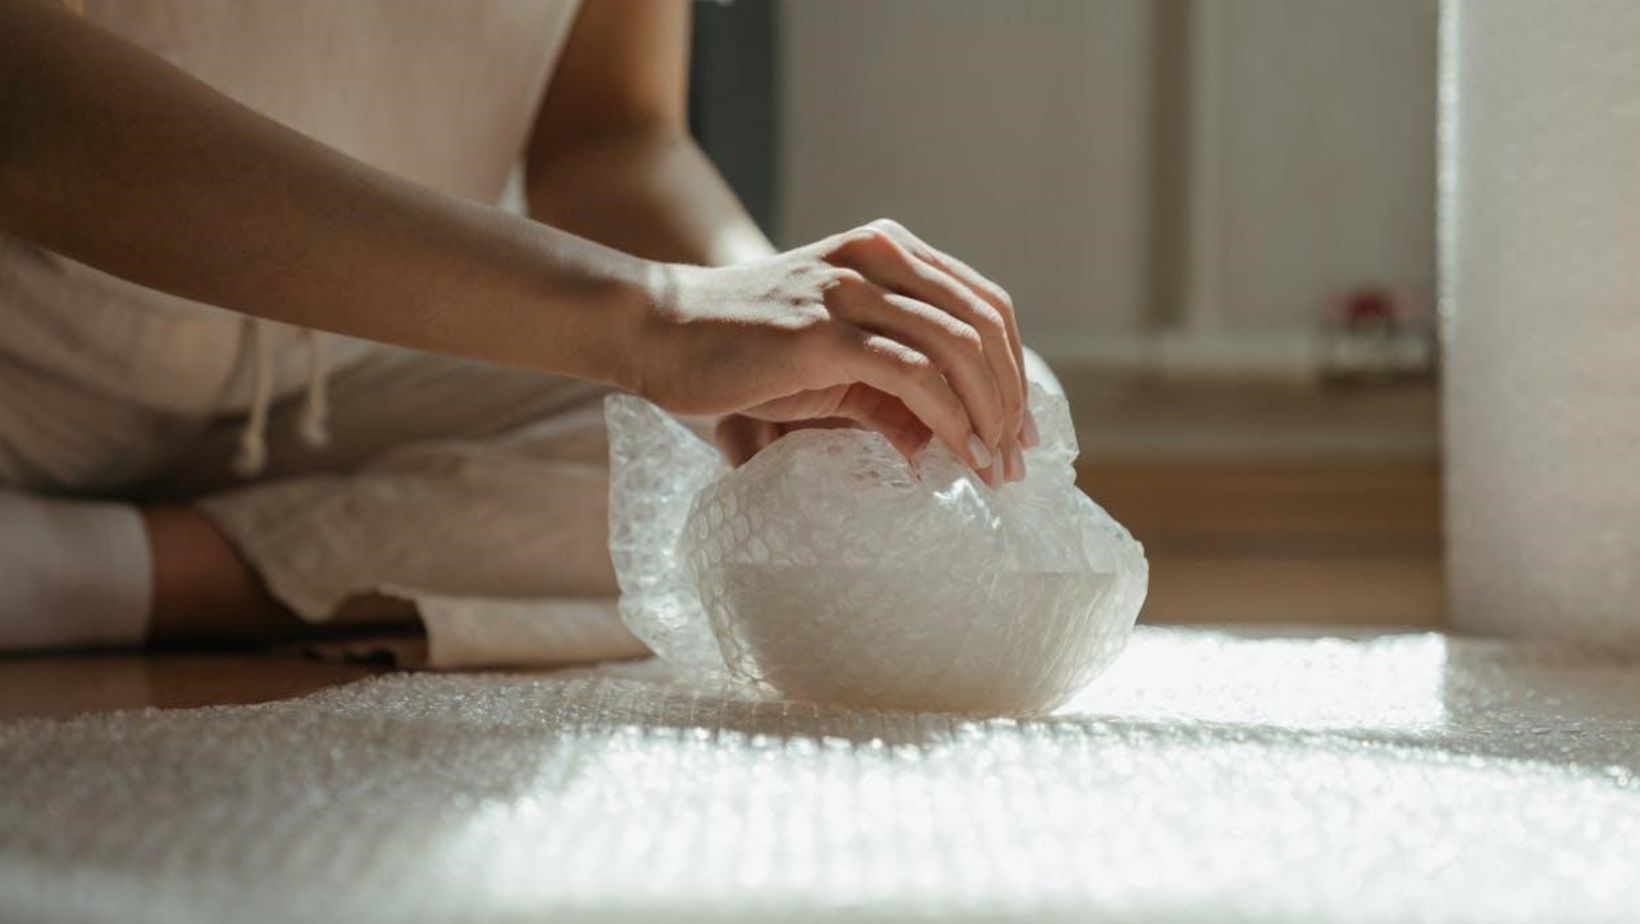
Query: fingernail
[[1028, 433], [977, 453], [1016, 461], [996, 473]]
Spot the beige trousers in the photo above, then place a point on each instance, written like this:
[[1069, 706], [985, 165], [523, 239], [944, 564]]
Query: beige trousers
[[479, 493]]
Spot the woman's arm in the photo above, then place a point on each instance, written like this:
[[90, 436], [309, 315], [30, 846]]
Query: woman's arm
[[113, 157], [611, 157]]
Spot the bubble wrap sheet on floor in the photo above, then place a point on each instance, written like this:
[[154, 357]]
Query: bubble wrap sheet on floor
[[1207, 776]]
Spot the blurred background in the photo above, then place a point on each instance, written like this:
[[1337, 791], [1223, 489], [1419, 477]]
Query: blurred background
[[1217, 220]]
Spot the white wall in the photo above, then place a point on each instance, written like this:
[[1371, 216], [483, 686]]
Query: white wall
[[1008, 133], [1329, 153], [1015, 133]]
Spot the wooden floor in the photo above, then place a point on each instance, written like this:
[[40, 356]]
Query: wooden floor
[[1256, 504], [1282, 542], [1272, 501]]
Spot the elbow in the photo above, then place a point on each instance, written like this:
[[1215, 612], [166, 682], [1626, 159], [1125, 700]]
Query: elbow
[[19, 183], [35, 89], [624, 137]]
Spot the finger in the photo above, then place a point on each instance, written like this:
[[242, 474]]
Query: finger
[[899, 370], [878, 256], [885, 414], [953, 346], [1013, 461], [842, 406], [993, 294]]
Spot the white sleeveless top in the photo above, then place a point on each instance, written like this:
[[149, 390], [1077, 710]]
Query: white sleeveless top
[[440, 93]]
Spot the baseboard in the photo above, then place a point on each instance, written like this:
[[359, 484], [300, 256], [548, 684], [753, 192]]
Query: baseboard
[[1285, 354]]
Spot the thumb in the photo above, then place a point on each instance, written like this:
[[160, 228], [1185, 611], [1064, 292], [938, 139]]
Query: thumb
[[882, 412]]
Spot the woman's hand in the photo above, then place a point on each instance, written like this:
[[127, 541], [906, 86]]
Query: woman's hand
[[871, 326]]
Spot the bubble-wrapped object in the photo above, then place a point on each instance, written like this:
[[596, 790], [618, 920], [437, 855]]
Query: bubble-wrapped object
[[829, 568]]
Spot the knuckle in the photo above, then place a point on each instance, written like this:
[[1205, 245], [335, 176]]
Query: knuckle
[[916, 365], [800, 324], [1002, 297], [874, 239], [810, 318], [1013, 403], [967, 338], [888, 226], [989, 318], [864, 242], [843, 279]]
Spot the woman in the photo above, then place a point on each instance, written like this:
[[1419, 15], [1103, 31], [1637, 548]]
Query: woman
[[277, 358]]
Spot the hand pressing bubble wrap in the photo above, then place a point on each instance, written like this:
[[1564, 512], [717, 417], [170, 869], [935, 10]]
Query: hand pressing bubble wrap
[[828, 568]]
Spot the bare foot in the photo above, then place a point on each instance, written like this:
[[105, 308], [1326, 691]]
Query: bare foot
[[206, 593]]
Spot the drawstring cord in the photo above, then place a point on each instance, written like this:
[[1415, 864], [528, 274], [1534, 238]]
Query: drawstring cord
[[315, 431], [253, 439]]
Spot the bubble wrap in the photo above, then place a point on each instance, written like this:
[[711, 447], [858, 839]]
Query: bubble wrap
[[1216, 777], [1540, 234], [830, 569]]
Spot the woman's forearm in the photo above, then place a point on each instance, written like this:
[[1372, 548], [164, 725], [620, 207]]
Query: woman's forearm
[[647, 192], [113, 157]]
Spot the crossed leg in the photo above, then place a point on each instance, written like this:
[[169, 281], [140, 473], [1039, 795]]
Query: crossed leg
[[445, 479]]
